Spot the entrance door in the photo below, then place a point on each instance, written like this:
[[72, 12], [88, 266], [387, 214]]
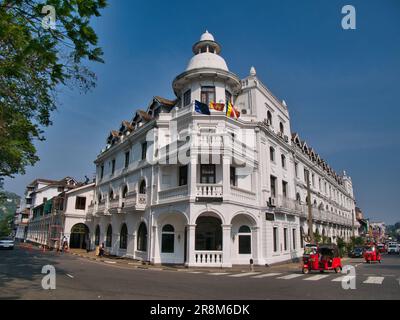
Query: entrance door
[[79, 236]]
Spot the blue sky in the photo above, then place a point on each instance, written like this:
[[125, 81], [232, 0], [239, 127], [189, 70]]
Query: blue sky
[[341, 86]]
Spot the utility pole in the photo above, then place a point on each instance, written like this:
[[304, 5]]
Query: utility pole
[[310, 218]]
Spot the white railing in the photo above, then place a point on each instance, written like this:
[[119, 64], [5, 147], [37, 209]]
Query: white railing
[[242, 194], [101, 207], [173, 193], [208, 258], [209, 190], [114, 204]]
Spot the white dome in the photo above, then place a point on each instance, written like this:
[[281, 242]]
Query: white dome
[[207, 37], [207, 60]]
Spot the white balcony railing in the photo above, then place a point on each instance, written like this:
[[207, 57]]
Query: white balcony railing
[[209, 190], [241, 194], [134, 201], [208, 258], [171, 194]]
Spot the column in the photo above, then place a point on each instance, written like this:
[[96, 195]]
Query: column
[[192, 177], [190, 249], [226, 173], [256, 245], [226, 246]]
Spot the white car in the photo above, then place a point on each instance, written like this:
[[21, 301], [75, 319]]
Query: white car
[[7, 243], [393, 247]]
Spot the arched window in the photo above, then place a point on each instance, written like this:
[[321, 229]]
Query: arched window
[[142, 187], [97, 236], [109, 237], [244, 240], [272, 154], [168, 239], [124, 192], [281, 129], [298, 197], [123, 238], [269, 118], [142, 238], [111, 195]]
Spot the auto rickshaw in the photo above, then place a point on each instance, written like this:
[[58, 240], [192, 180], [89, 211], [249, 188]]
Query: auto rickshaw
[[325, 257], [372, 253]]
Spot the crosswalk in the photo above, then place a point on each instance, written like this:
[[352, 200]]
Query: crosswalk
[[365, 279]]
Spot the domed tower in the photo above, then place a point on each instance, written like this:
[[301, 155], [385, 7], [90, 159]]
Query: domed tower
[[207, 77]]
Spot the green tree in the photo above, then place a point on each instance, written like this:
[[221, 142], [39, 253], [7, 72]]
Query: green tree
[[5, 225], [35, 62]]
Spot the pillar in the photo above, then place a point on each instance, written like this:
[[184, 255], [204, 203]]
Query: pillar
[[190, 248], [226, 246]]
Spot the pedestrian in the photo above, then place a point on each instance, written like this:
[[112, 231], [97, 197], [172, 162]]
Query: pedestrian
[[88, 244], [101, 251]]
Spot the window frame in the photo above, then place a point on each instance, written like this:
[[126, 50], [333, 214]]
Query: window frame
[[80, 203], [206, 92], [212, 175]]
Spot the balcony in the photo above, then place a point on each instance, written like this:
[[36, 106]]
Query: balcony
[[209, 192], [173, 194], [242, 195], [114, 205], [133, 202]]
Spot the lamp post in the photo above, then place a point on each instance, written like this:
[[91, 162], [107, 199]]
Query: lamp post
[[309, 205]]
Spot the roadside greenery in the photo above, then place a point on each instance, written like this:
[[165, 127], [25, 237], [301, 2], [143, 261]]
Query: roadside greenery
[[35, 62]]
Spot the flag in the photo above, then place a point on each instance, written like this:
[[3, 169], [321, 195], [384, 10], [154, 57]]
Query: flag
[[201, 108], [231, 111], [217, 106]]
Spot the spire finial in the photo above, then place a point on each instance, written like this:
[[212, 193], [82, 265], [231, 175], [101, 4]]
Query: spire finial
[[253, 71]]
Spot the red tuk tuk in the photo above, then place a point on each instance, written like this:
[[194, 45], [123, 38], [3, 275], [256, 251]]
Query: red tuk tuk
[[324, 257], [372, 254]]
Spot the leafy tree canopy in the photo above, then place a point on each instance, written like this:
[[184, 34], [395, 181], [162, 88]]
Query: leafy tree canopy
[[34, 62]]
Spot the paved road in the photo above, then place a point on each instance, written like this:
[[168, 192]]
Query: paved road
[[79, 278]]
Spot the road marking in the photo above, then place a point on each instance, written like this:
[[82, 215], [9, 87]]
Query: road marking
[[316, 278], [247, 274], [290, 276], [218, 273], [68, 275], [266, 275], [110, 262], [374, 280], [340, 279]]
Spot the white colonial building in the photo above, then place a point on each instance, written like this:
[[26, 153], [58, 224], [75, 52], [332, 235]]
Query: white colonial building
[[177, 186]]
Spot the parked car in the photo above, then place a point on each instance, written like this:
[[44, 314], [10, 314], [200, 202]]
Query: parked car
[[357, 252], [393, 247], [7, 243]]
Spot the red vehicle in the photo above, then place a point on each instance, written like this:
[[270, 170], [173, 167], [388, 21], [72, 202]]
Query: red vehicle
[[372, 254], [322, 258], [382, 248]]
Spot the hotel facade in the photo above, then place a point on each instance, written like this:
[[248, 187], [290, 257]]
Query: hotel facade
[[177, 186]]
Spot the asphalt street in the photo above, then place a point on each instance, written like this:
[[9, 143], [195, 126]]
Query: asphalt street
[[79, 278]]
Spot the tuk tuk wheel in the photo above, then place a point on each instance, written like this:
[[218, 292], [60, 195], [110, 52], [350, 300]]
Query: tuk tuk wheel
[[321, 271], [338, 269], [306, 270]]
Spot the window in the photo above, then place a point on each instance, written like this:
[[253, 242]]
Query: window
[[302, 237], [233, 177], [168, 239], [244, 240], [187, 98], [142, 187], [102, 172], [111, 195], [142, 238], [123, 237], [273, 186], [99, 198], [285, 236], [127, 156], [183, 175], [44, 200], [313, 179], [97, 236], [283, 158], [275, 235], [296, 169], [272, 154], [113, 167], [144, 150], [306, 175], [294, 238], [228, 96], [208, 173], [284, 189], [207, 95], [80, 203], [269, 118], [319, 184], [109, 237], [298, 197], [125, 192], [281, 128]]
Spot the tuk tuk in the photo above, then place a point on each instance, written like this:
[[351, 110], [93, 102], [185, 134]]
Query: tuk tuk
[[325, 257], [372, 254]]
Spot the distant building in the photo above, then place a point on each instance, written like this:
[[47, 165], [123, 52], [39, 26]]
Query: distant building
[[378, 231]]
